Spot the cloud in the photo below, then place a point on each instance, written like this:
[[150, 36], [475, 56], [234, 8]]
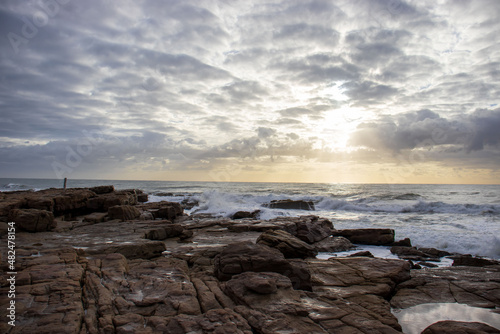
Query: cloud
[[427, 129], [186, 84]]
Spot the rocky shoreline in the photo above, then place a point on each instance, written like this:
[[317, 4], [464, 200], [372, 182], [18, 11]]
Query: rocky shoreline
[[103, 261]]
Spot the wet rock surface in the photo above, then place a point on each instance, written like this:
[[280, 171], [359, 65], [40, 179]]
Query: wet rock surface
[[459, 327], [155, 270]]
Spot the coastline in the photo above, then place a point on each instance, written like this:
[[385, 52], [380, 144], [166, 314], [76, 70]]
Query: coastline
[[104, 260]]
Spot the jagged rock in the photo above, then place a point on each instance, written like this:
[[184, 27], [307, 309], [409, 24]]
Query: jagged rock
[[406, 242], [312, 229], [333, 244], [367, 236], [459, 327], [469, 260], [247, 256], [289, 204], [245, 214], [33, 220], [103, 202], [102, 189], [123, 212], [163, 210], [219, 321], [474, 286], [290, 246]]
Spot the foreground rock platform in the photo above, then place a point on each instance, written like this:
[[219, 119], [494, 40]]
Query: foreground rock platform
[[105, 262]]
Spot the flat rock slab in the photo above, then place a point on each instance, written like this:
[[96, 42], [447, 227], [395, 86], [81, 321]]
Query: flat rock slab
[[474, 286], [355, 276]]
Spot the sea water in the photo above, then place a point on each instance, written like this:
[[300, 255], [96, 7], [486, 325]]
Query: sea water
[[455, 218]]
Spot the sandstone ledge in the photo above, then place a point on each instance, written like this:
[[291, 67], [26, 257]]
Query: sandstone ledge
[[158, 273]]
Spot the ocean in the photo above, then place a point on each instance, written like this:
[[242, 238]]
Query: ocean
[[455, 218]]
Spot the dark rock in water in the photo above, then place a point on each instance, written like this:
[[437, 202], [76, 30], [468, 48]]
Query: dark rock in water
[[102, 189], [459, 327], [406, 242], [290, 246], [367, 236], [434, 252], [469, 260], [333, 244], [33, 220], [362, 254], [246, 214], [123, 212], [289, 204]]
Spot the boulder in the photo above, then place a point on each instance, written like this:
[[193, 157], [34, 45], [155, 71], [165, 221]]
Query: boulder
[[333, 244], [33, 220], [142, 198], [367, 236], [469, 260], [241, 257], [123, 212], [459, 327], [313, 229], [163, 210], [290, 246], [289, 204]]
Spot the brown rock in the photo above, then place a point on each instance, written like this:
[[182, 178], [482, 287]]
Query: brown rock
[[163, 210], [459, 327], [246, 256], [312, 229], [123, 212], [367, 236], [219, 321], [167, 231], [354, 276], [333, 244], [102, 189], [474, 286], [33, 220], [133, 250], [290, 246]]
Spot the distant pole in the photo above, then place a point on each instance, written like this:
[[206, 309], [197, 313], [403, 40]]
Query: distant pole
[[65, 181]]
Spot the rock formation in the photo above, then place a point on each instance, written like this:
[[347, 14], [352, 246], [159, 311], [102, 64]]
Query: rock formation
[[102, 261]]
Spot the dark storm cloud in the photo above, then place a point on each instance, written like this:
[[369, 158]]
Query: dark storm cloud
[[426, 128]]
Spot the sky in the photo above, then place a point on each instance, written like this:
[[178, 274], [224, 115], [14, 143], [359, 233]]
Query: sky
[[340, 91]]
